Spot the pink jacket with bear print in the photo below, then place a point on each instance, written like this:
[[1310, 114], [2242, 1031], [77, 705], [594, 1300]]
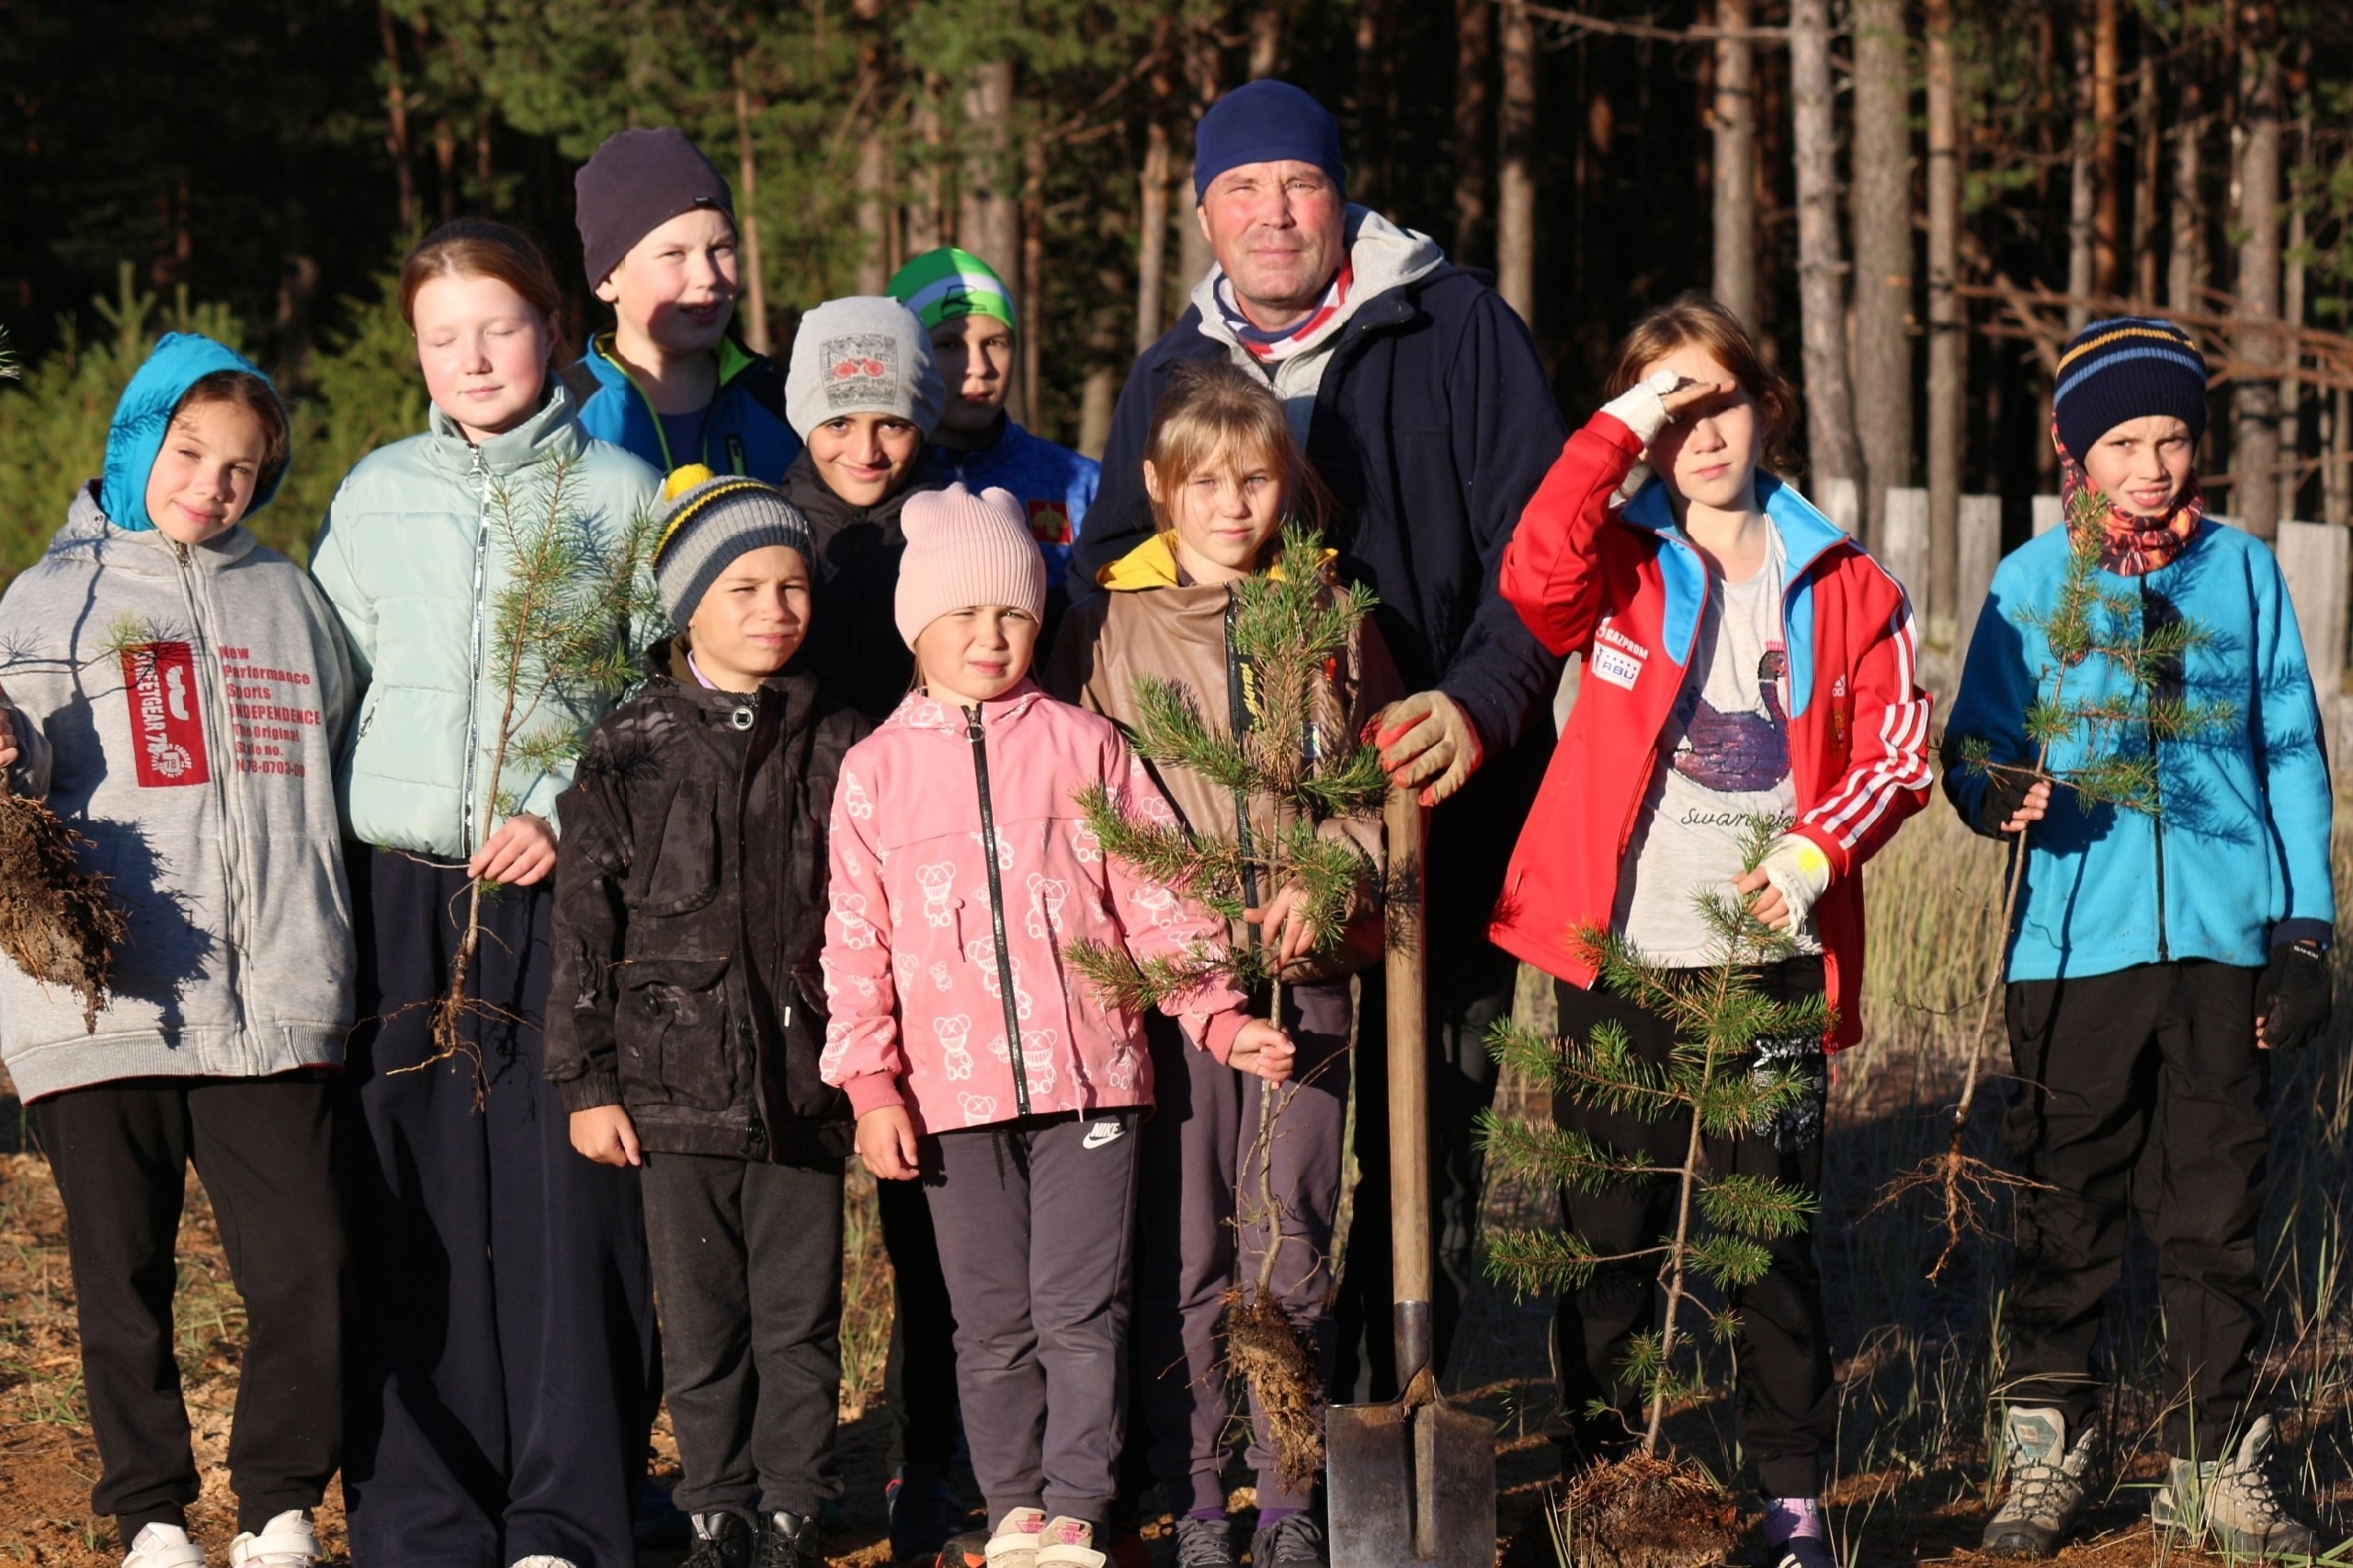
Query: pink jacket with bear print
[[921, 943]]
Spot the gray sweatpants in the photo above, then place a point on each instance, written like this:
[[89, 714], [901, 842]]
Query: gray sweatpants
[[1036, 1222], [1200, 1149], [748, 1277]]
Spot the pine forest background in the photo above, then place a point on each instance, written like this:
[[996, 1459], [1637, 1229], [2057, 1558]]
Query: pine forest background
[[1910, 199]]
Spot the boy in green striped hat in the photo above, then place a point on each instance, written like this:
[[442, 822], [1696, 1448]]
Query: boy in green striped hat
[[965, 307]]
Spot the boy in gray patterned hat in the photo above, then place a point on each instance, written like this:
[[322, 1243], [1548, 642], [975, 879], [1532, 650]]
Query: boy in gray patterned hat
[[684, 1031]]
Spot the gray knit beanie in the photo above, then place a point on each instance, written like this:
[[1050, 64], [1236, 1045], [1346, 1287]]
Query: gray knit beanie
[[866, 354], [712, 520]]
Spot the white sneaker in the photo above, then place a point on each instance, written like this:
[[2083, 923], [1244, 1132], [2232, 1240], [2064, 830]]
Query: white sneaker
[[164, 1546], [287, 1541], [1066, 1543], [544, 1562], [1016, 1540]]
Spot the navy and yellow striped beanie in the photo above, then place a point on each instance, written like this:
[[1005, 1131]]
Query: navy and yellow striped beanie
[[713, 519], [2125, 368]]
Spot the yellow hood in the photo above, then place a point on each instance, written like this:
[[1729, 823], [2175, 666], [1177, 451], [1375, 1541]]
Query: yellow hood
[[1153, 564]]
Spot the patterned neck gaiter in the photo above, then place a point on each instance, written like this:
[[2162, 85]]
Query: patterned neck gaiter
[[2131, 545]]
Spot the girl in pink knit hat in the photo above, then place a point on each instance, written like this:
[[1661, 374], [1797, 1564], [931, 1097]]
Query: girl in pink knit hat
[[977, 1060]]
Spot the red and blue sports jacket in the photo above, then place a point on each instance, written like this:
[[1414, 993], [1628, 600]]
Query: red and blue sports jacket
[[1625, 589]]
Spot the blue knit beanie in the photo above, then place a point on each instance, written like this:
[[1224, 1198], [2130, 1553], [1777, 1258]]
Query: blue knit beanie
[[1263, 122], [2125, 369]]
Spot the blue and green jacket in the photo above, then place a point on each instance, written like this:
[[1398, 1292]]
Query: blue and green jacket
[[1055, 484], [2235, 858], [741, 431]]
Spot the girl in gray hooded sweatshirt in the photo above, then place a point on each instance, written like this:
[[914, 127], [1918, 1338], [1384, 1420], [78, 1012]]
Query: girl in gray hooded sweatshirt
[[177, 692]]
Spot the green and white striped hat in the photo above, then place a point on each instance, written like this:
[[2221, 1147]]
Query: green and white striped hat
[[947, 284]]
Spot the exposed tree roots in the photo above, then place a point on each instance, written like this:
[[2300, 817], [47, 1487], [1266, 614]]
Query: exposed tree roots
[[1645, 1512], [1261, 1344], [1648, 1513], [57, 921]]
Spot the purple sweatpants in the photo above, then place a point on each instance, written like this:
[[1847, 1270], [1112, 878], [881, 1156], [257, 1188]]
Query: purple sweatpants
[[1036, 1221], [1200, 1150]]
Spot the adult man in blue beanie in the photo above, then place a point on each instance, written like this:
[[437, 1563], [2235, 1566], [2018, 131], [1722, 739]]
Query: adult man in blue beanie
[[1419, 397]]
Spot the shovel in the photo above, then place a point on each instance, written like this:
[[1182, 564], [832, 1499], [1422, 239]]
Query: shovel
[[1412, 1482]]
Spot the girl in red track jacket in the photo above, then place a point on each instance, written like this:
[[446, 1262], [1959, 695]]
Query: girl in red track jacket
[[1743, 657]]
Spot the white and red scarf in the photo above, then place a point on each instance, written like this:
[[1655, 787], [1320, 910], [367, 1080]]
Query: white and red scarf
[[1270, 348]]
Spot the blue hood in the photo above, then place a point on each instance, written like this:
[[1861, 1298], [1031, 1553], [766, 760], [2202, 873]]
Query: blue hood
[[144, 412]]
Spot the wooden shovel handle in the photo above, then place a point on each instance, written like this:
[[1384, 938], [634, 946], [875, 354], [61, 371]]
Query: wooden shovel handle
[[1407, 968]]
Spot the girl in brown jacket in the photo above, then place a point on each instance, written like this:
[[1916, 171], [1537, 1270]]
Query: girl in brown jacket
[[1225, 474]]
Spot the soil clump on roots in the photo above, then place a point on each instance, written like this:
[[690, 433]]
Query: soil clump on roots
[[1648, 1513], [57, 921], [1261, 1346]]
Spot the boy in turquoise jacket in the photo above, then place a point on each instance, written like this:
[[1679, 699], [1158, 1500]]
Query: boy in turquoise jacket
[[2159, 958]]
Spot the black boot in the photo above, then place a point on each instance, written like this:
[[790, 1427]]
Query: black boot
[[790, 1540], [721, 1540]]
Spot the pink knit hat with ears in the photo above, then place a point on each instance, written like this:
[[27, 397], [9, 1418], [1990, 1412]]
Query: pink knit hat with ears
[[965, 549]]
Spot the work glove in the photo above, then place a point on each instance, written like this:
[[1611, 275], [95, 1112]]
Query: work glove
[[2293, 999], [1800, 872], [1427, 739], [1642, 408], [2005, 792]]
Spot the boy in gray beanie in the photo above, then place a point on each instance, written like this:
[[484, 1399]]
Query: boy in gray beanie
[[689, 902]]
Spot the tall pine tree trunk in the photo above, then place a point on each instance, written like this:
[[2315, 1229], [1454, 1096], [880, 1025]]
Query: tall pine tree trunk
[[1152, 215], [1369, 169], [1883, 208], [1474, 64], [2186, 235], [1948, 342], [926, 207], [396, 140], [1204, 79], [2256, 497], [988, 216], [2291, 311], [1515, 160], [1821, 295], [748, 214], [2149, 179], [2107, 177], [2082, 198], [1733, 208], [1267, 21]]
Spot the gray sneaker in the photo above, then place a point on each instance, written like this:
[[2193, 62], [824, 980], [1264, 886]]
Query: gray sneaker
[[1205, 1543], [2234, 1500], [1294, 1542], [1802, 1552], [2049, 1482]]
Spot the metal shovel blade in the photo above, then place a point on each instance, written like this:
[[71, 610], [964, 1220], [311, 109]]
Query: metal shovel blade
[[1411, 1484]]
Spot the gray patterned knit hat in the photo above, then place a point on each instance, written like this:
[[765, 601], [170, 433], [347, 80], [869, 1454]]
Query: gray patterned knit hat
[[713, 519], [864, 353]]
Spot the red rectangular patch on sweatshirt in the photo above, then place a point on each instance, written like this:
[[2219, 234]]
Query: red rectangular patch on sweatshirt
[[167, 719]]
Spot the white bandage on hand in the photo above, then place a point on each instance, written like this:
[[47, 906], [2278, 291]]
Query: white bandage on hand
[[1642, 408], [1800, 872]]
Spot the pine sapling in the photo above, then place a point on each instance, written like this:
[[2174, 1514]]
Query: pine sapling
[[2113, 741], [557, 655], [1649, 1510], [1294, 762]]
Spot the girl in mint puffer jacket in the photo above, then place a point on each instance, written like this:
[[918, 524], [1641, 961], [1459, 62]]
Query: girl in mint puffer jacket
[[504, 1354]]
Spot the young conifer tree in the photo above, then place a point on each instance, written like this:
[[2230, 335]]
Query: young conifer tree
[[1648, 1509], [1288, 625], [2110, 746], [559, 650]]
